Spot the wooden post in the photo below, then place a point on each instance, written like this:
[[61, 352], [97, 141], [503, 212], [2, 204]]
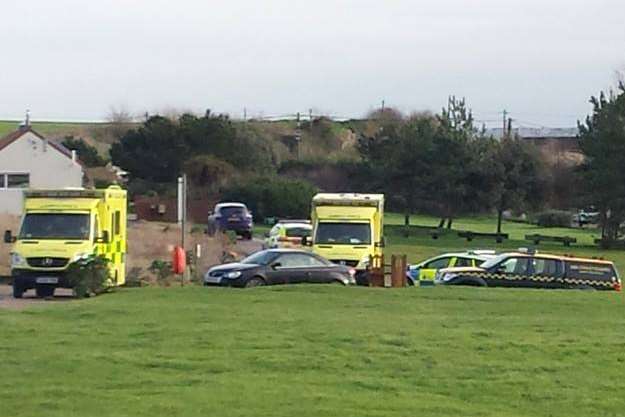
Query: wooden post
[[398, 271]]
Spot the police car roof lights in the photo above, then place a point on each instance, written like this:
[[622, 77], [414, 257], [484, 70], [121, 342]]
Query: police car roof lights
[[529, 251]]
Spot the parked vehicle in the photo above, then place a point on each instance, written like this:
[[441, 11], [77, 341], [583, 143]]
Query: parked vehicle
[[231, 216], [60, 227], [279, 266], [288, 234], [530, 269], [348, 228], [583, 218], [425, 271]]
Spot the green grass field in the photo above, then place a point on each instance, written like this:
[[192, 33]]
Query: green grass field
[[317, 351], [48, 128]]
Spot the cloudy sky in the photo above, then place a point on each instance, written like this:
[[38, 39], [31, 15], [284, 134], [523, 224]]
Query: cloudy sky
[[539, 59]]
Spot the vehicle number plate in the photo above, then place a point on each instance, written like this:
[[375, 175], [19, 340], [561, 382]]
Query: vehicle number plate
[[47, 280]]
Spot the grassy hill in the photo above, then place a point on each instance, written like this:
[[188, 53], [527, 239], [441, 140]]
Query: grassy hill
[[94, 133], [317, 350]]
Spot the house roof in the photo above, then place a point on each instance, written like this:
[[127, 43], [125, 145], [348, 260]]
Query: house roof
[[13, 136], [537, 133]]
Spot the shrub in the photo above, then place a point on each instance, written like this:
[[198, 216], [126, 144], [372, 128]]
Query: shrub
[[554, 218], [89, 276], [86, 153], [134, 277], [163, 271], [273, 196]]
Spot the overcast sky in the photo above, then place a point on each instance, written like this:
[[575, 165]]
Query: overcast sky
[[539, 59]]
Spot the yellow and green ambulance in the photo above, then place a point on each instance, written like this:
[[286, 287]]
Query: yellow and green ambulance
[[60, 227]]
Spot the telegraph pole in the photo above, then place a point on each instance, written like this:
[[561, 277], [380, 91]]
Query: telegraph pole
[[182, 214], [298, 135], [505, 123]]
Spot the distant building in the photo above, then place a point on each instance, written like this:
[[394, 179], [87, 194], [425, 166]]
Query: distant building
[[556, 144], [28, 160]]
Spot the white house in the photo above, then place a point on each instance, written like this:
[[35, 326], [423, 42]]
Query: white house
[[28, 160]]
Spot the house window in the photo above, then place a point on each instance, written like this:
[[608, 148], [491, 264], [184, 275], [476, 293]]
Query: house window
[[14, 180]]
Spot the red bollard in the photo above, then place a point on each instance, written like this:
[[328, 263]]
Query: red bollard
[[179, 261]]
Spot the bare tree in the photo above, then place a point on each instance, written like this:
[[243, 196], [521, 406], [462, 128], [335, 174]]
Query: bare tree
[[120, 120]]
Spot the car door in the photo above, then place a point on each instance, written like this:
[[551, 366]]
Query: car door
[[272, 239], [289, 268], [511, 272], [321, 271], [547, 273], [428, 271]]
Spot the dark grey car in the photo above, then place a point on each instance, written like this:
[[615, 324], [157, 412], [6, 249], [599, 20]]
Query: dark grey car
[[279, 266]]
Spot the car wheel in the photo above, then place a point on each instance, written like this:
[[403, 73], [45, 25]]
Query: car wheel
[[586, 288], [247, 235], [254, 282], [18, 291], [44, 291], [471, 282]]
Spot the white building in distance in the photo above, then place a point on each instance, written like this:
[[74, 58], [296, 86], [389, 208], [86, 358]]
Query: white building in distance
[[28, 160]]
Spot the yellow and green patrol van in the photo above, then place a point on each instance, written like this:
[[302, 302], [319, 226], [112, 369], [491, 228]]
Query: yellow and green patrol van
[[348, 228], [535, 270], [60, 227]]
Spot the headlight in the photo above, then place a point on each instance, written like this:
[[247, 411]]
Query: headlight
[[364, 263], [232, 275], [80, 256], [17, 260]]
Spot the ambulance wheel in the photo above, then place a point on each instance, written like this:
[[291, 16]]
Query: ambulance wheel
[[18, 291], [44, 291]]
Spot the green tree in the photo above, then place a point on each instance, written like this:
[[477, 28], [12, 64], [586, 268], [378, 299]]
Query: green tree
[[86, 153], [273, 196], [512, 175], [155, 151], [602, 140], [426, 163], [158, 150]]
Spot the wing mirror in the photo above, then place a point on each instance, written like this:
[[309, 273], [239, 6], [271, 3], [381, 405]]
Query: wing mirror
[[381, 243], [104, 238], [276, 265], [8, 237], [307, 241]]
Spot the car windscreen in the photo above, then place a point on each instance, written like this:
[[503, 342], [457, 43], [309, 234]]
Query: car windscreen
[[298, 232], [260, 258], [493, 261], [343, 233], [55, 226]]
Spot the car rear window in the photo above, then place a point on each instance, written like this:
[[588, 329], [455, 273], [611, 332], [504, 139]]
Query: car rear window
[[230, 211], [588, 270]]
